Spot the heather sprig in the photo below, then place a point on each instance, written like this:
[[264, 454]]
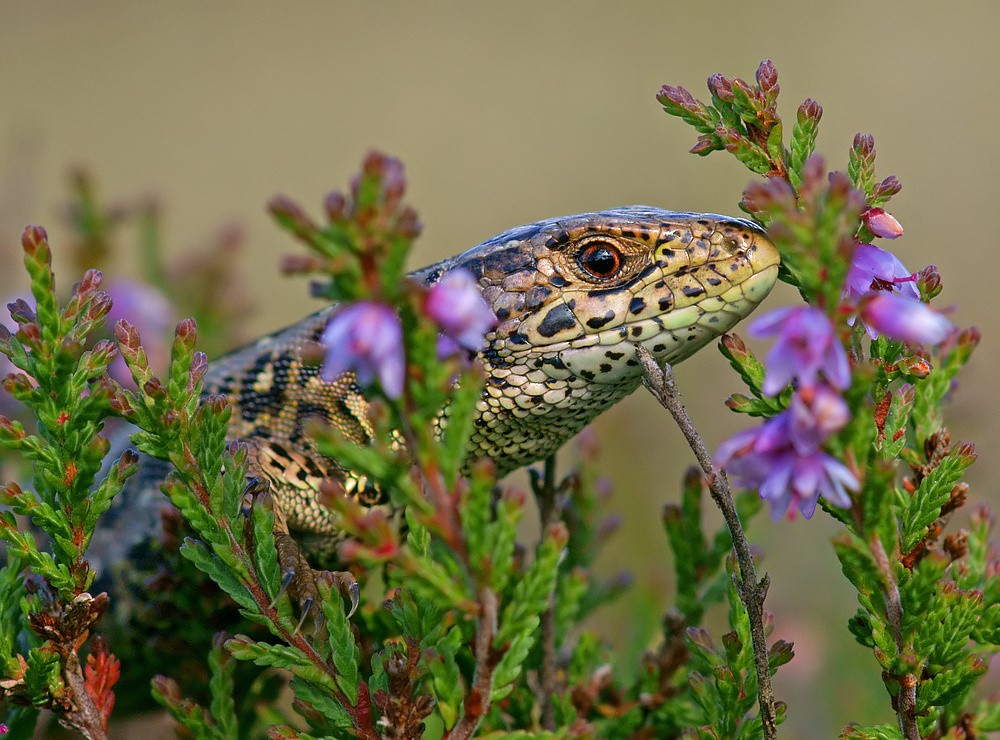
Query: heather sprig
[[61, 377], [885, 441], [458, 554], [458, 559]]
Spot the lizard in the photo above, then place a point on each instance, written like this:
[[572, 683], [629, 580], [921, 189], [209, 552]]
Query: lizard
[[573, 297]]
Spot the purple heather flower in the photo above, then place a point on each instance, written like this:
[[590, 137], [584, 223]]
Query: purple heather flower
[[874, 269], [456, 305], [807, 344], [146, 308], [783, 460], [813, 415], [448, 347], [800, 480], [904, 319], [893, 306], [882, 224], [365, 337]]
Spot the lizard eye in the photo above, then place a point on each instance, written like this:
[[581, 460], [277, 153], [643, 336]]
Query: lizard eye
[[600, 259]]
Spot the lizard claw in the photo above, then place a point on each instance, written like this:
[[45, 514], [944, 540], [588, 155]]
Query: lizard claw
[[286, 580], [298, 579], [306, 606], [346, 585], [301, 581], [355, 592]]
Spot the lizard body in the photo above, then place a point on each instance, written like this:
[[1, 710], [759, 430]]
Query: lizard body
[[573, 297]]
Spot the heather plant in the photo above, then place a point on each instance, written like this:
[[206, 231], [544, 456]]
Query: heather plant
[[446, 620], [852, 394]]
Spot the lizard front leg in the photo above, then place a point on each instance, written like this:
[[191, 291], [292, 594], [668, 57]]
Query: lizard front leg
[[287, 478]]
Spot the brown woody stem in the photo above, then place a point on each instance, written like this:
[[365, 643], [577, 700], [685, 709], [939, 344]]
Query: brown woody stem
[[660, 382], [477, 701], [906, 701], [548, 512]]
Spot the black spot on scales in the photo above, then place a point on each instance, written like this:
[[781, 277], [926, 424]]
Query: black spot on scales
[[646, 272], [598, 292], [537, 296], [559, 318], [597, 322]]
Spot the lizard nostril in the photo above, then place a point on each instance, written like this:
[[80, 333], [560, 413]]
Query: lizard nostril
[[734, 246]]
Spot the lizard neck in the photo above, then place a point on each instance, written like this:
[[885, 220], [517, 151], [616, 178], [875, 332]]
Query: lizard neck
[[525, 414]]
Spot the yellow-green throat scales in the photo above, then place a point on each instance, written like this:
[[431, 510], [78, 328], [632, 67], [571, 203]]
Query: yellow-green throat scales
[[574, 297]]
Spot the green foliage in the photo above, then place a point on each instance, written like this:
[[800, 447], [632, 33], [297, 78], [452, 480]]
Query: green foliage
[[751, 371], [923, 506], [60, 382], [696, 560], [61, 378], [519, 619], [803, 143], [342, 648]]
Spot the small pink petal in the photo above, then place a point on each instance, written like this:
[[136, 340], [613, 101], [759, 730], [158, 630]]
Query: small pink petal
[[882, 224]]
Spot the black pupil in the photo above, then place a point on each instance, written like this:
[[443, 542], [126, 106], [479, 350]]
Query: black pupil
[[600, 261]]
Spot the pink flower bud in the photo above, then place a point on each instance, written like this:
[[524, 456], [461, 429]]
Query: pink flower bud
[[882, 224]]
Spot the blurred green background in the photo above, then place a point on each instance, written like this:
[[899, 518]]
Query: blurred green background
[[511, 112]]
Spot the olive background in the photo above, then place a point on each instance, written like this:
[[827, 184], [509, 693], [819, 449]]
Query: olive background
[[507, 113]]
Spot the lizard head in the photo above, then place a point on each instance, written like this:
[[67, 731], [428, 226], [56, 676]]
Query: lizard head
[[574, 296]]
